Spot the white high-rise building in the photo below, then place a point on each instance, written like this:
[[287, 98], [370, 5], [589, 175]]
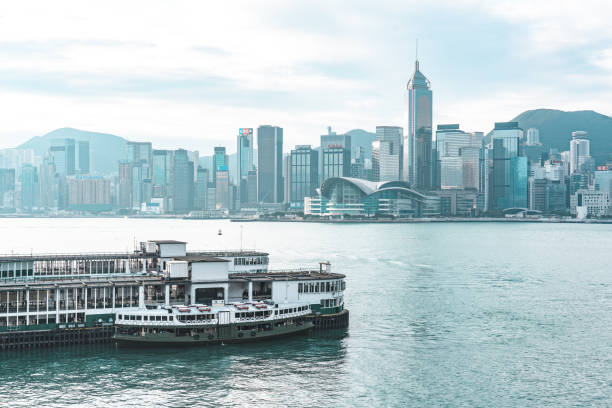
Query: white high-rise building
[[533, 137], [579, 151], [387, 152]]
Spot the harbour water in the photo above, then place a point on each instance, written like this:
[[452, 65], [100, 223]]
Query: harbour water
[[442, 314]]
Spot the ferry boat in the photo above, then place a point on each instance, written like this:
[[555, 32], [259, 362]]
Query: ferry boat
[[162, 293], [201, 324]]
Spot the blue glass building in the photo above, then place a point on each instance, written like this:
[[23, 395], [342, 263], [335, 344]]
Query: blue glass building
[[417, 168]]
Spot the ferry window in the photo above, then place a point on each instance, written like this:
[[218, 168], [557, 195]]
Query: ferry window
[[276, 312], [138, 317], [299, 288], [327, 287], [170, 318], [343, 285], [164, 318]]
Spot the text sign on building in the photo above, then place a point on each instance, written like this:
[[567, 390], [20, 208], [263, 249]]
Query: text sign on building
[[245, 131]]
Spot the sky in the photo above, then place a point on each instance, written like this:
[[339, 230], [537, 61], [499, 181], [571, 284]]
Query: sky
[[190, 73]]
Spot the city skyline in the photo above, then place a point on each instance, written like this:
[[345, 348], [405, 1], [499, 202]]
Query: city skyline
[[82, 74]]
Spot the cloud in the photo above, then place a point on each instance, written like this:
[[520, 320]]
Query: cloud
[[191, 73]]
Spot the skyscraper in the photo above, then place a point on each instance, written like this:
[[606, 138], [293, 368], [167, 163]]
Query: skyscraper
[[304, 174], [29, 187], [387, 152], [335, 155], [7, 188], [201, 189], [162, 172], [451, 147], [417, 141], [270, 162], [580, 154], [222, 189], [244, 160], [220, 159], [124, 190], [83, 156], [510, 175], [182, 182], [62, 151], [533, 137]]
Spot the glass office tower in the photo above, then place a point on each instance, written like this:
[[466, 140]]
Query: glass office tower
[[304, 177], [244, 160], [270, 162], [510, 172], [417, 169]]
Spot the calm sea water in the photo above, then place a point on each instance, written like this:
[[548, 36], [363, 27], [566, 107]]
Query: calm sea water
[[442, 314]]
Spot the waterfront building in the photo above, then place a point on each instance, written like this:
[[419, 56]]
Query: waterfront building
[[201, 189], [83, 157], [556, 193], [458, 202], [537, 194], [603, 179], [183, 183], [270, 162], [580, 155], [510, 170], [358, 197], [304, 174], [63, 153], [590, 203], [244, 158], [220, 159], [89, 193], [222, 189], [417, 168], [335, 155], [387, 152]]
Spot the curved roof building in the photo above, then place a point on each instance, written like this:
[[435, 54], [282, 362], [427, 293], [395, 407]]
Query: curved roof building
[[346, 195]]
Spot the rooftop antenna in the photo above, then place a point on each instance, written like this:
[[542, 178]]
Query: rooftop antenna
[[416, 58]]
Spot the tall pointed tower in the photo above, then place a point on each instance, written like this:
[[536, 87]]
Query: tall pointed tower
[[417, 166]]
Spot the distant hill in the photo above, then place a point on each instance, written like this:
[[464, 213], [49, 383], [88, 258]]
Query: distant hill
[[556, 129], [105, 149]]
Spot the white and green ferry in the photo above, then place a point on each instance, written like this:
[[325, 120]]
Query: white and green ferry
[[162, 293]]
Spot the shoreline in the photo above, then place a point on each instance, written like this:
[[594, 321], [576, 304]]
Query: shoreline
[[327, 220]]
